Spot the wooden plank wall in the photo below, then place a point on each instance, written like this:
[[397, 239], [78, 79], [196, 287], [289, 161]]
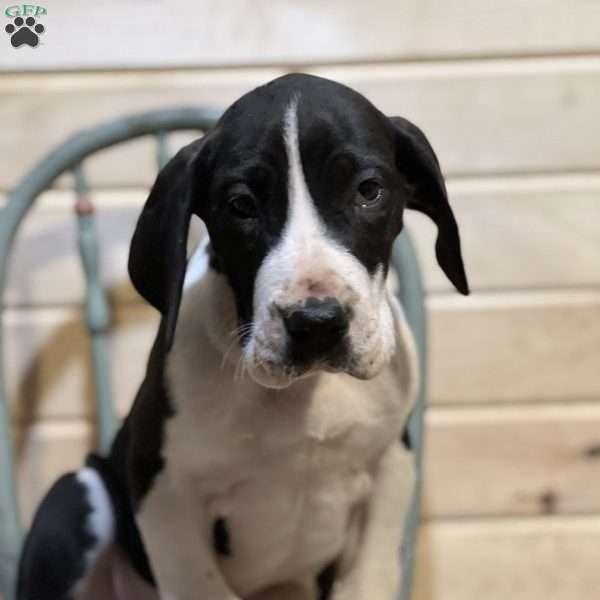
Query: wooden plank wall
[[508, 94]]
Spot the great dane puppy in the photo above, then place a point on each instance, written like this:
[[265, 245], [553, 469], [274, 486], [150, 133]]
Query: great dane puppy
[[262, 458]]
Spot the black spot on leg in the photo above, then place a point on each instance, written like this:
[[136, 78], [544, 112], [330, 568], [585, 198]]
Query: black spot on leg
[[326, 579], [221, 539], [406, 441]]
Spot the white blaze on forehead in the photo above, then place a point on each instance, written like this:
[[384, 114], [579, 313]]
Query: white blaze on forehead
[[307, 249], [303, 220]]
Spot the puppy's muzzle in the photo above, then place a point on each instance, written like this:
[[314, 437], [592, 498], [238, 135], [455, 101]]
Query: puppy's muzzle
[[316, 330]]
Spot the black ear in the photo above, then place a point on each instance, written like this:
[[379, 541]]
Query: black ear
[[157, 256], [417, 161]]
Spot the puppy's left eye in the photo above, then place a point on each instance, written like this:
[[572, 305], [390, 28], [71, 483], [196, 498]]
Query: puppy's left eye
[[370, 193], [242, 204]]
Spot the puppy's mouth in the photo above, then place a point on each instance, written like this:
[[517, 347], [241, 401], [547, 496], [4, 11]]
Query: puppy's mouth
[[282, 374], [272, 372]]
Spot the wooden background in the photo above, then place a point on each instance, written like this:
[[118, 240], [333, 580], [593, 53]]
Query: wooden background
[[509, 95]]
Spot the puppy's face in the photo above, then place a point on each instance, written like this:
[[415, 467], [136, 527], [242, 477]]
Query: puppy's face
[[302, 190], [302, 214]]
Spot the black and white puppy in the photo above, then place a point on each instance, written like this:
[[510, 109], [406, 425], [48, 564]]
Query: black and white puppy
[[262, 457]]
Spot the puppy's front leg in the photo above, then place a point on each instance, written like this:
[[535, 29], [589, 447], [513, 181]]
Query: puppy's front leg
[[374, 570], [176, 533]]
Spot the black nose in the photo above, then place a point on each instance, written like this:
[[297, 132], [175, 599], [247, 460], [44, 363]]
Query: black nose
[[316, 328]]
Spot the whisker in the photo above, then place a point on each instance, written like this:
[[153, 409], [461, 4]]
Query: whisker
[[237, 333], [227, 353], [241, 330], [239, 369]]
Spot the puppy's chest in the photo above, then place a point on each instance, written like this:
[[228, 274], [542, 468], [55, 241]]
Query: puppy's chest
[[282, 478], [250, 438], [286, 513]]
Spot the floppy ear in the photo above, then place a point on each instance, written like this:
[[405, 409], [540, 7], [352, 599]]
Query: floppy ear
[[157, 256], [417, 161]]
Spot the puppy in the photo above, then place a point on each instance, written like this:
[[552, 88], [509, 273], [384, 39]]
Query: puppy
[[262, 456]]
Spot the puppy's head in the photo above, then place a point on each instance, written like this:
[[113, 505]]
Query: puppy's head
[[302, 185]]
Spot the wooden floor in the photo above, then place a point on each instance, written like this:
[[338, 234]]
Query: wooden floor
[[508, 95]]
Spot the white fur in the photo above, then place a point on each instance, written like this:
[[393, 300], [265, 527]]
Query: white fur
[[176, 517], [286, 468], [197, 265], [101, 520]]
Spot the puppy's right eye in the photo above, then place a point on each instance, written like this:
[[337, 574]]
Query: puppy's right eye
[[242, 204], [370, 193]]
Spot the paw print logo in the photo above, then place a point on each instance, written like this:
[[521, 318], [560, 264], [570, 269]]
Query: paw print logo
[[24, 32]]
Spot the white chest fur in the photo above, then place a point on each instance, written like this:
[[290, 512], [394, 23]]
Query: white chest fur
[[284, 468]]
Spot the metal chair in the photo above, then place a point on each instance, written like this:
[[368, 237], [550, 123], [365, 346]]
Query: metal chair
[[69, 157]]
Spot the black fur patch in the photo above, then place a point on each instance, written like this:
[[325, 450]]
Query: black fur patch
[[53, 556], [221, 540], [213, 261], [326, 579], [406, 441], [258, 160], [135, 458], [344, 142]]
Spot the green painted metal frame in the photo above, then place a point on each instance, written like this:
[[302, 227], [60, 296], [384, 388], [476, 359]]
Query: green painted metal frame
[[69, 156], [412, 296]]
